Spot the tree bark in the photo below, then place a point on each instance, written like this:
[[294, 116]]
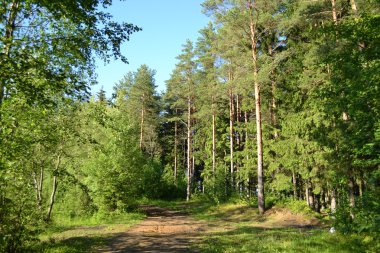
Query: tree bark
[[354, 7], [307, 194], [294, 185], [9, 31], [351, 195], [249, 180], [310, 194], [334, 15], [273, 111], [333, 201], [52, 198], [231, 138], [238, 116], [175, 148], [38, 184], [189, 149], [246, 133], [142, 122], [326, 198], [260, 171], [213, 143], [192, 161], [54, 189], [322, 199]]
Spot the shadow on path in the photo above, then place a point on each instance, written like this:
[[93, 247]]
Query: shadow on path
[[163, 231]]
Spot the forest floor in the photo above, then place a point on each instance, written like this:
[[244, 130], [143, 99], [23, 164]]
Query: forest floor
[[204, 227], [168, 230], [163, 230]]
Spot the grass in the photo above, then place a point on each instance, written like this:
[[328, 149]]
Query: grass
[[256, 239], [83, 234], [231, 227], [236, 227]]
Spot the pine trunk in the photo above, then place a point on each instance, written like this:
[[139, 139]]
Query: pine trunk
[[354, 7], [246, 134], [334, 14], [232, 138], [333, 201], [323, 198], [142, 124], [175, 149], [273, 111], [311, 195], [189, 149], [213, 143], [294, 185], [238, 116], [351, 195], [361, 188], [260, 170]]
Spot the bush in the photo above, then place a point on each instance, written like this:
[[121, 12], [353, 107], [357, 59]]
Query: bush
[[215, 187], [296, 206], [18, 227]]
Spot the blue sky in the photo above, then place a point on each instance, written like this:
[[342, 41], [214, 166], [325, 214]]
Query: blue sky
[[166, 25]]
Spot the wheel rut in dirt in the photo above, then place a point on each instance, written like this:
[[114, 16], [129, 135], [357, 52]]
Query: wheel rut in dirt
[[164, 230]]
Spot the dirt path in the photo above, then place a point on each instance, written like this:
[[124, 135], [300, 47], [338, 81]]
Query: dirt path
[[163, 231]]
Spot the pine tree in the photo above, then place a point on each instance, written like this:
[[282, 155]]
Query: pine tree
[[182, 89], [143, 106]]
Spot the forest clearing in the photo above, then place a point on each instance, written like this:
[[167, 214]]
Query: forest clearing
[[266, 137]]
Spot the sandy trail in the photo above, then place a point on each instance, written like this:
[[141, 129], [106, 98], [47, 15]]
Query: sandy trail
[[163, 231]]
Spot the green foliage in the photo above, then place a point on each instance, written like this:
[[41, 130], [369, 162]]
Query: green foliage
[[168, 187], [47, 61], [365, 216], [216, 189], [142, 106], [18, 225]]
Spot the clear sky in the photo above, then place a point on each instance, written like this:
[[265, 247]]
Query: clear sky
[[166, 25]]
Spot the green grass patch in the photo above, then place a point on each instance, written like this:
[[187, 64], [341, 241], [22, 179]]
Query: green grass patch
[[237, 227], [256, 239], [83, 234]]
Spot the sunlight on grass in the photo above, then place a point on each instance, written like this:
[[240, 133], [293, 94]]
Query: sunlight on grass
[[236, 227], [251, 239], [84, 234]]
